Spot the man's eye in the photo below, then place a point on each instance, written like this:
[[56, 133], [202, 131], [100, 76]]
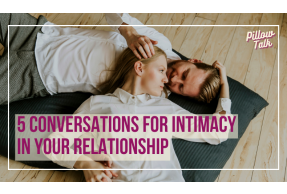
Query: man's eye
[[180, 87], [183, 75]]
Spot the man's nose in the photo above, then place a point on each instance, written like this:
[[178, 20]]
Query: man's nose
[[175, 79]]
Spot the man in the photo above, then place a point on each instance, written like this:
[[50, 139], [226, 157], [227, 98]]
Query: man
[[72, 59], [188, 78]]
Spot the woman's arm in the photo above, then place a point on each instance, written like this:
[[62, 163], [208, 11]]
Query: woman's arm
[[80, 161], [65, 159]]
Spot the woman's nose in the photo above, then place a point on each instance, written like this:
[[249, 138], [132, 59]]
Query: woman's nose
[[165, 80]]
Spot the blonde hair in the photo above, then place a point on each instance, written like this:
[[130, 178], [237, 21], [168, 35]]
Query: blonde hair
[[123, 67], [211, 85]]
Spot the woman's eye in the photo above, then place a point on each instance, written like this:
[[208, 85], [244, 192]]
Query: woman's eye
[[161, 71]]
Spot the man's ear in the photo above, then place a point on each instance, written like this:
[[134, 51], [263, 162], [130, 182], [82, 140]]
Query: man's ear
[[139, 68]]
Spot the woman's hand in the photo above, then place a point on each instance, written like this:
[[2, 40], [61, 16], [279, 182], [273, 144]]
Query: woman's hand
[[138, 43], [102, 158], [106, 161], [97, 175], [222, 72], [85, 162]]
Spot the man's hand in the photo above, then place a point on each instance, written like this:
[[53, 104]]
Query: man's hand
[[222, 71], [142, 44], [137, 43], [224, 90]]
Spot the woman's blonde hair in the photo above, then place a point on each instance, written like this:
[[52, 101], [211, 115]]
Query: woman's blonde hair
[[123, 67]]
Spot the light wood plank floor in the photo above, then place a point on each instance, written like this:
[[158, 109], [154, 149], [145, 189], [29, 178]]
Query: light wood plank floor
[[256, 69]]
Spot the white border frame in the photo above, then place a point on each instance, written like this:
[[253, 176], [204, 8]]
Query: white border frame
[[159, 25]]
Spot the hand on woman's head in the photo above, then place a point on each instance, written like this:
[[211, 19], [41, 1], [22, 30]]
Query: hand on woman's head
[[142, 46]]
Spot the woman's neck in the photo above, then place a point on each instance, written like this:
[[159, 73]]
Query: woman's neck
[[132, 86]]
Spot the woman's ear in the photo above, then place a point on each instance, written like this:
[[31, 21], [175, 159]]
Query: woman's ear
[[139, 68]]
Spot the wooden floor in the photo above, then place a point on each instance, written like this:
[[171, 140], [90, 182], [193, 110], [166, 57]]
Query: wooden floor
[[256, 69]]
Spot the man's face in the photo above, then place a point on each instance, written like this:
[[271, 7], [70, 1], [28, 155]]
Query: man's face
[[185, 78]]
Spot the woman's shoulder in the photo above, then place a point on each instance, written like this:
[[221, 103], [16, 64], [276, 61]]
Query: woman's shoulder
[[159, 100], [107, 98], [96, 102]]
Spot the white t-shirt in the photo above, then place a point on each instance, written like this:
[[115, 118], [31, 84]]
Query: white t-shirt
[[122, 102], [74, 59]]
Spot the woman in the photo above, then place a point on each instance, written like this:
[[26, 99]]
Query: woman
[[133, 88]]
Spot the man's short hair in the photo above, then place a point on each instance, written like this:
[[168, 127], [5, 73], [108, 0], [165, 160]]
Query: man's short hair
[[211, 85]]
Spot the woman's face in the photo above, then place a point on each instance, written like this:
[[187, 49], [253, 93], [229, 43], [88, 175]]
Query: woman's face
[[154, 76]]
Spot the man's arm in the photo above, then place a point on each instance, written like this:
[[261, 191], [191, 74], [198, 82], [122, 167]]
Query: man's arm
[[212, 137], [137, 42], [137, 33], [224, 103], [223, 107]]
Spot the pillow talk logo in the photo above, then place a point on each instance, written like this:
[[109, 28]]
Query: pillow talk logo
[[257, 36]]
